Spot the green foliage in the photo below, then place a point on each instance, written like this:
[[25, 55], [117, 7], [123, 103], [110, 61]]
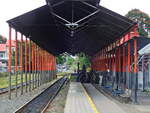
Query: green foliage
[[83, 60], [2, 40], [3, 74], [71, 61], [142, 19], [146, 91], [13, 58], [65, 59], [62, 73], [60, 59]]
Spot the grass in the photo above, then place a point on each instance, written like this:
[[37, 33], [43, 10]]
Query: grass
[[4, 80], [73, 78], [62, 73]]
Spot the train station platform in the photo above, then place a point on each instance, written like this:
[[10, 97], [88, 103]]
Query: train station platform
[[88, 99], [77, 101]]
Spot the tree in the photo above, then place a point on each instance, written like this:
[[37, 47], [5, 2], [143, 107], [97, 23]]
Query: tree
[[65, 59], [60, 59], [83, 60], [2, 40], [142, 19], [71, 62]]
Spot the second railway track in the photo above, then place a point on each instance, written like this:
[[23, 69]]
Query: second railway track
[[40, 103]]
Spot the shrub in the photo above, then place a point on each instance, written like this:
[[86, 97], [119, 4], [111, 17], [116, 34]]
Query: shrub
[[3, 74]]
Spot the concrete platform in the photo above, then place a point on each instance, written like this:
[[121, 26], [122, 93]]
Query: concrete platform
[[102, 103], [90, 100], [77, 101]]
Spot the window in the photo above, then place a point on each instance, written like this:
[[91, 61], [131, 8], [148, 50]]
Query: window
[[1, 55]]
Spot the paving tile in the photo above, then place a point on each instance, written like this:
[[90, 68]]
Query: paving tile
[[77, 102], [102, 103]]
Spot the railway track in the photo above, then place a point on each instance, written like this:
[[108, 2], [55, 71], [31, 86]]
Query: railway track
[[40, 103]]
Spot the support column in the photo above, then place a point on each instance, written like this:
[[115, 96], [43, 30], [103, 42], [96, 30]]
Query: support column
[[38, 65], [21, 63], [16, 61], [124, 68], [41, 66], [119, 67], [30, 65], [129, 68], [10, 61], [40, 60], [35, 64], [26, 66], [33, 80], [135, 69], [113, 69]]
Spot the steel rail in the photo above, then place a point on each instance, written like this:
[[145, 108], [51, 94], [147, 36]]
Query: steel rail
[[44, 102]]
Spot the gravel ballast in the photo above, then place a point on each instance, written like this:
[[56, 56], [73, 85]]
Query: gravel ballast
[[10, 106], [58, 104]]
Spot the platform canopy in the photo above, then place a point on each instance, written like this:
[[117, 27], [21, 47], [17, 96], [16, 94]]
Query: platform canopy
[[72, 26]]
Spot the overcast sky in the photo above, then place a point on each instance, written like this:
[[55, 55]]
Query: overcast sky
[[13, 8]]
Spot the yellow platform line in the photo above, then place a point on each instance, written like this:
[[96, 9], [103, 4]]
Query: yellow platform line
[[90, 101]]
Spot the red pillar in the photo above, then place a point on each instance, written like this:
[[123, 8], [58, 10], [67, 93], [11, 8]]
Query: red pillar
[[124, 59], [9, 61], [26, 63], [16, 59], [135, 56], [129, 60], [21, 63], [135, 68], [35, 64], [16, 53]]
